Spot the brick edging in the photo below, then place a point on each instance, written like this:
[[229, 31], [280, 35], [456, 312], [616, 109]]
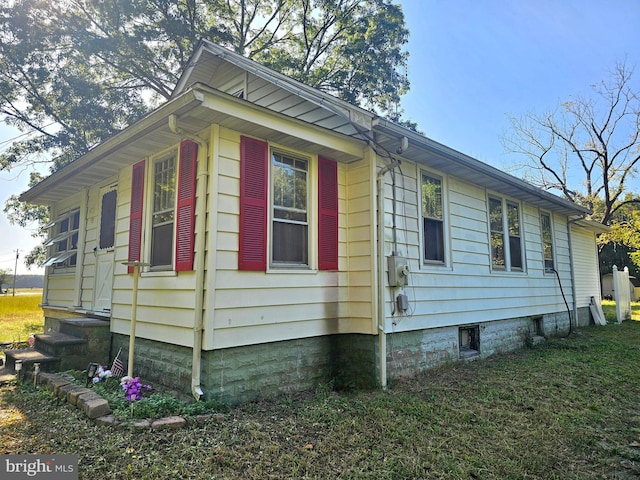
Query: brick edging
[[95, 407]]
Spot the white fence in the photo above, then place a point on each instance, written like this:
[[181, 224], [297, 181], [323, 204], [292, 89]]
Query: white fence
[[622, 294]]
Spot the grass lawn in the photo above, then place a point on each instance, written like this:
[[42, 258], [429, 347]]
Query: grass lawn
[[20, 315], [564, 409]]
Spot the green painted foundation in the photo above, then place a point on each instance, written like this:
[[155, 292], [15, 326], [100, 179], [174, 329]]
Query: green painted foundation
[[348, 361], [242, 374]]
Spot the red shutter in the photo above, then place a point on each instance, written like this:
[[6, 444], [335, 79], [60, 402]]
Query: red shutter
[[254, 165], [135, 215], [186, 211], [327, 214]]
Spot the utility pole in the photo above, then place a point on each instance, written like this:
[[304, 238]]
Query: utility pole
[[15, 271]]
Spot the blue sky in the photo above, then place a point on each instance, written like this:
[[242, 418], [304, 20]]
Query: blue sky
[[471, 63]]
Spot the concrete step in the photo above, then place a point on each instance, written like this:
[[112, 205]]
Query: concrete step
[[29, 356], [83, 327], [6, 375], [57, 344]]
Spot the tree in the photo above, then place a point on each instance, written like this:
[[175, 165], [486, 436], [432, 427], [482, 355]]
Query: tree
[[74, 72], [593, 141], [588, 149], [24, 215], [4, 277], [621, 246]]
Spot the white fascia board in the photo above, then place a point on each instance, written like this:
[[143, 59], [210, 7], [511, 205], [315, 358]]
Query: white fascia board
[[360, 117], [249, 112], [138, 129]]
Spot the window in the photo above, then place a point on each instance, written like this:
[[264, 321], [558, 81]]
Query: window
[[290, 227], [432, 218], [108, 221], [163, 214], [171, 215], [64, 241], [287, 216], [515, 240], [547, 242], [469, 341], [505, 255], [496, 226]]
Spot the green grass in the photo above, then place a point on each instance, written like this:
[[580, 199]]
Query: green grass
[[609, 309], [20, 315], [564, 409]]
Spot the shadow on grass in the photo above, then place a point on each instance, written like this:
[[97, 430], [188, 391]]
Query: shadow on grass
[[564, 409]]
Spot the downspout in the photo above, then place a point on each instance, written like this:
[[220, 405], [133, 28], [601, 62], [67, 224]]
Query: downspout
[[573, 276], [199, 262], [382, 335]]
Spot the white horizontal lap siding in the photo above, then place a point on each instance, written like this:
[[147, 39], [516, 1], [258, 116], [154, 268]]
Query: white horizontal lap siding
[[586, 267], [165, 300], [251, 307], [467, 290], [470, 251], [533, 241]]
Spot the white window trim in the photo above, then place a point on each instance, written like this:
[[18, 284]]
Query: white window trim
[[553, 242], [433, 264], [505, 201], [312, 212], [147, 218], [58, 257]]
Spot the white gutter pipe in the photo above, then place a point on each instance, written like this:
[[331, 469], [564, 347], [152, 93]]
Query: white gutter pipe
[[200, 244]]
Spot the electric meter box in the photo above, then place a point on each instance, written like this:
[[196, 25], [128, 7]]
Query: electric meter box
[[398, 270]]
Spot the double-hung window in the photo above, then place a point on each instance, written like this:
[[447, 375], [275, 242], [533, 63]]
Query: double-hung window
[[278, 215], [547, 242], [290, 226], [163, 214], [169, 219], [505, 234], [64, 241], [432, 218]]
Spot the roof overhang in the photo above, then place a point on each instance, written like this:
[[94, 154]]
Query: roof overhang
[[196, 109], [209, 56], [432, 154], [106, 159], [592, 225]]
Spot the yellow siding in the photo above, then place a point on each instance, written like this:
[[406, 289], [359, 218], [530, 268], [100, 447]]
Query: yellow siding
[[60, 289], [257, 307], [165, 299]]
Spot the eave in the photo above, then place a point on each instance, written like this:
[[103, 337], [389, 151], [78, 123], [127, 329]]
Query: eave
[[106, 159], [432, 154], [196, 109]]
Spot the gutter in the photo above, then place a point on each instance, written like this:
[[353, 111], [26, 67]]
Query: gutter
[[112, 144], [201, 207]]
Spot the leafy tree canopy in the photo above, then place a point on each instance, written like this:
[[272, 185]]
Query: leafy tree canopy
[[621, 246], [74, 72]]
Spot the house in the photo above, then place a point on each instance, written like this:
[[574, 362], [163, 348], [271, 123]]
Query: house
[[287, 238]]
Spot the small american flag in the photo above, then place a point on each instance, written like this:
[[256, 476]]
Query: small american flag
[[117, 369]]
